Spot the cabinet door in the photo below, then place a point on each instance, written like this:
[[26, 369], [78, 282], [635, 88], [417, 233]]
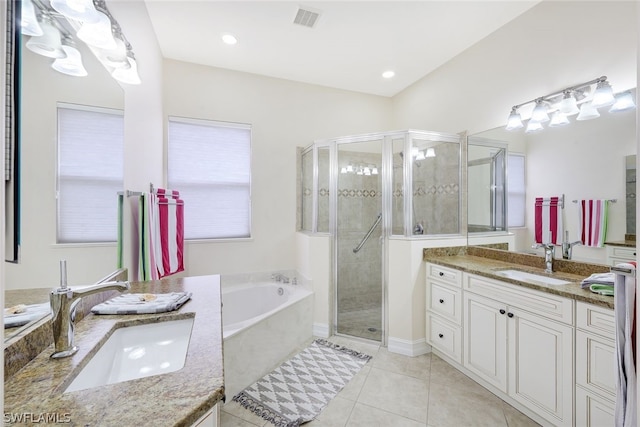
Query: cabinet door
[[485, 339], [593, 410], [541, 365]]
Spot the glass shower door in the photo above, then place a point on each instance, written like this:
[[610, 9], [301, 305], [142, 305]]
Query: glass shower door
[[359, 243]]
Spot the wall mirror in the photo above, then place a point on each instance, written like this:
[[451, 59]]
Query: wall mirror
[[41, 89], [582, 160], [486, 175]]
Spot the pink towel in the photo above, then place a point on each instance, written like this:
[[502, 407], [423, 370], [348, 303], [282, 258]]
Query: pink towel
[[548, 218], [593, 222], [170, 251]]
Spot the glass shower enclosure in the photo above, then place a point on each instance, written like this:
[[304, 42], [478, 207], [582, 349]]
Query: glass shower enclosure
[[355, 188]]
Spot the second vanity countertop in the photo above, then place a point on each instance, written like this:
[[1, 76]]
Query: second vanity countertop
[[178, 398], [487, 266]]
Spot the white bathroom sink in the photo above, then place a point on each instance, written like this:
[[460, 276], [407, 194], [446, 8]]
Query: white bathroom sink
[[531, 277], [137, 352]]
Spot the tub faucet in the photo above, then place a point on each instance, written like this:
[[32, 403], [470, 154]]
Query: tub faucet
[[64, 301], [278, 277], [549, 249]]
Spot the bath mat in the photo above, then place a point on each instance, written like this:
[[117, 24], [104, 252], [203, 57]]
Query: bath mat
[[296, 391]]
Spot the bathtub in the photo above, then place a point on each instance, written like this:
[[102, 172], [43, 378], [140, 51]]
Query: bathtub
[[263, 323]]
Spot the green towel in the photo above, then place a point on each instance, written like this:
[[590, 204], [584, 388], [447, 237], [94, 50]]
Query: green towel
[[602, 289]]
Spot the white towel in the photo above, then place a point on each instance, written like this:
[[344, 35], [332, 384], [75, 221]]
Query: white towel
[[134, 303], [626, 413]]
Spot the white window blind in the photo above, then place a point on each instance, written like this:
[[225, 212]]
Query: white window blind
[[210, 164], [90, 173], [516, 191]]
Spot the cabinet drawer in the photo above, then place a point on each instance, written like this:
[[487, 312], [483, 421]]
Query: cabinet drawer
[[444, 336], [595, 364], [444, 274], [445, 301], [595, 319], [552, 306], [593, 410], [622, 252]]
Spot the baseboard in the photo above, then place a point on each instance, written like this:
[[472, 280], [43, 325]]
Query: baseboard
[[408, 348], [321, 330]]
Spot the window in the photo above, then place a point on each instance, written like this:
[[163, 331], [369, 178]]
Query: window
[[90, 173], [516, 196], [210, 164]]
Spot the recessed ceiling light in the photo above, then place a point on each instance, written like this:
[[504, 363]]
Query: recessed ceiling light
[[388, 74], [229, 39]]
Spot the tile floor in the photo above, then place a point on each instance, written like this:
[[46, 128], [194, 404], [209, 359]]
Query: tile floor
[[363, 323], [398, 391]]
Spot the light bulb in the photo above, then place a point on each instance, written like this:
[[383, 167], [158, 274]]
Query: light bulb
[[514, 121], [624, 102], [539, 113], [603, 95], [533, 127], [558, 119], [587, 112], [29, 22], [569, 105], [72, 64]]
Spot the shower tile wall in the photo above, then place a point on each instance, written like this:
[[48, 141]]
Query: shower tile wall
[[436, 191]]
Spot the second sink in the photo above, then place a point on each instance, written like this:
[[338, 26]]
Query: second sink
[[137, 352], [531, 277]]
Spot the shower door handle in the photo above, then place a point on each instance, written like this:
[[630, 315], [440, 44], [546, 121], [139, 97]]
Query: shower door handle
[[366, 237]]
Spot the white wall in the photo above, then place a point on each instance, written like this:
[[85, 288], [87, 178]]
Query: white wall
[[283, 115]]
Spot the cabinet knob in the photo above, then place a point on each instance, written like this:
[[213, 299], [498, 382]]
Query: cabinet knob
[[441, 335], [441, 301], [441, 274], [510, 314], [503, 311]]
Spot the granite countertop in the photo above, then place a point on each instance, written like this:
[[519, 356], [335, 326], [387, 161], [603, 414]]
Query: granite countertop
[[178, 398], [623, 243], [486, 262]]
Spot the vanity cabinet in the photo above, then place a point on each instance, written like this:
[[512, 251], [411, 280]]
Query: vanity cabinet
[[595, 365], [618, 254], [514, 340], [210, 419], [521, 341]]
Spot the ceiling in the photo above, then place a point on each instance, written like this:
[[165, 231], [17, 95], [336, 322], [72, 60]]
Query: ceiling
[[349, 47]]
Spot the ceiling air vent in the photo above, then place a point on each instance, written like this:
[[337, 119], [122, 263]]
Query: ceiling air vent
[[306, 17]]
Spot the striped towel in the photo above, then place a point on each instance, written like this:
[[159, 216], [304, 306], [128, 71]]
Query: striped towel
[[136, 304], [170, 251], [160, 235], [548, 218], [593, 222]]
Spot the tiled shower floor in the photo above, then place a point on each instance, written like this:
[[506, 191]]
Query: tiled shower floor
[[399, 391], [359, 323]]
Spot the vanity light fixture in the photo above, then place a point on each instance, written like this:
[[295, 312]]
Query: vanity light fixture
[[580, 99], [29, 21], [558, 118], [48, 44], [89, 21], [80, 10], [72, 63], [624, 102], [431, 152]]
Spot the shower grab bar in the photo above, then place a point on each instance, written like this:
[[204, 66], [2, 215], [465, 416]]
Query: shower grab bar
[[366, 237]]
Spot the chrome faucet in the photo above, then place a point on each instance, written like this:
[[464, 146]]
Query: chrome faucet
[[64, 301], [278, 277], [549, 249], [566, 246]]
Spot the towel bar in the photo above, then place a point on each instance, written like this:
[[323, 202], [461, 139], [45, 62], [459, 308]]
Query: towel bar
[[624, 271]]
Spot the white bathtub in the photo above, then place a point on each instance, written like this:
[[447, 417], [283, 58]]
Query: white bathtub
[[263, 323]]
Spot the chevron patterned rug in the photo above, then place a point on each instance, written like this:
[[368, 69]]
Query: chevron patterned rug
[[296, 391]]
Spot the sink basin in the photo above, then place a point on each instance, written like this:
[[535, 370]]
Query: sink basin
[[531, 277], [137, 352]]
